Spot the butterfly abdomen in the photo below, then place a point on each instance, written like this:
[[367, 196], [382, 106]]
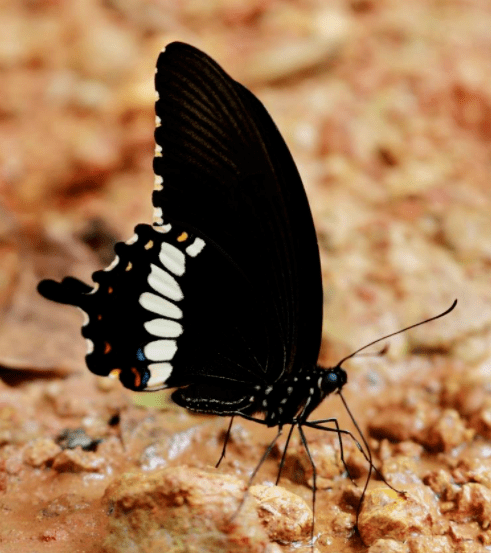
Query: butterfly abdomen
[[293, 398]]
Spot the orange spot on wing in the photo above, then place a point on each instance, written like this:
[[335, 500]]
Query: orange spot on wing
[[138, 379], [182, 237], [107, 347]]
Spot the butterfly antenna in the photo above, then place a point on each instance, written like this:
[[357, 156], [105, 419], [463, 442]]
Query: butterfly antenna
[[379, 353], [446, 312]]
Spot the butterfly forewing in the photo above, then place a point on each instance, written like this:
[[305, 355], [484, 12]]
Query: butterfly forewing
[[227, 173]]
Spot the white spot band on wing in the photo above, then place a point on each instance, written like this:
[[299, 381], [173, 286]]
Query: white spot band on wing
[[172, 259], [163, 328], [159, 373], [160, 350], [164, 283], [195, 248], [159, 305]]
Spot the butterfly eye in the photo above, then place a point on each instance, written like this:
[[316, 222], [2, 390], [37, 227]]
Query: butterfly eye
[[332, 377], [140, 355]]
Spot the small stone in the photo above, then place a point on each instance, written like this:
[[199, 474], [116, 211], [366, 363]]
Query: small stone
[[327, 461], [388, 546], [40, 452], [442, 483], [182, 509], [285, 515], [386, 514], [448, 432], [474, 503], [77, 460], [70, 439], [435, 544]]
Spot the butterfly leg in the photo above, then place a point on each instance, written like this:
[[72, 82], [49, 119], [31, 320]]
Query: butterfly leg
[[318, 424], [314, 478], [258, 466], [225, 442], [282, 462]]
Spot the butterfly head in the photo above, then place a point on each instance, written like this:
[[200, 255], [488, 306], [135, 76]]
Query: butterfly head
[[333, 380]]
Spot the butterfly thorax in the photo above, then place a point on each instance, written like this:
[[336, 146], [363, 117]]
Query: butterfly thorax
[[293, 398]]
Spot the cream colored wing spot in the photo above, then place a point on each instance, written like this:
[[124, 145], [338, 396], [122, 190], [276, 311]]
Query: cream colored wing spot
[[159, 373], [160, 350], [164, 328], [196, 247], [164, 283], [160, 306], [172, 259]]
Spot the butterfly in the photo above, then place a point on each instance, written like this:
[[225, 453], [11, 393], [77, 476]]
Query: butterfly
[[221, 298]]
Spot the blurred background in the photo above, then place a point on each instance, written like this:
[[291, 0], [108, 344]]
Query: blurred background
[[385, 105], [386, 108]]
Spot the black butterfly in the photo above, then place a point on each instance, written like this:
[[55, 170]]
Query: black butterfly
[[222, 297]]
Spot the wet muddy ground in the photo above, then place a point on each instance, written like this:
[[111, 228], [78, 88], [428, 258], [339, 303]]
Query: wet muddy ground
[[387, 111]]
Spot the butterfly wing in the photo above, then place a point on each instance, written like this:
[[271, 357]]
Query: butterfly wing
[[223, 293], [223, 168], [169, 312]]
